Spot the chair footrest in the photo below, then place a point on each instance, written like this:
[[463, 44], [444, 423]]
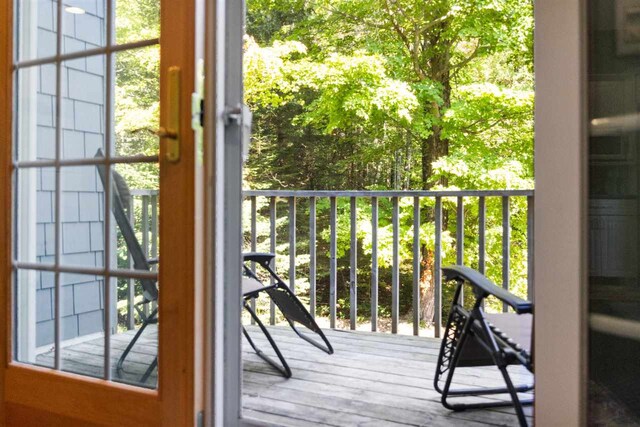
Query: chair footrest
[[458, 407], [482, 391]]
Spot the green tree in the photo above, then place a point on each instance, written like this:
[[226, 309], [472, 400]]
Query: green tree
[[395, 94]]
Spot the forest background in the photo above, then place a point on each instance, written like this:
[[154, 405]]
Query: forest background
[[390, 95], [369, 95]]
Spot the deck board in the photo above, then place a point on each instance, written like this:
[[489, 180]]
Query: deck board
[[372, 379]]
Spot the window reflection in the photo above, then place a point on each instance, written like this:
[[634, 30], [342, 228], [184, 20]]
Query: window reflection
[[614, 285]]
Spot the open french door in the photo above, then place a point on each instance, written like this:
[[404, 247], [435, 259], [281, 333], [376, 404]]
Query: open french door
[[98, 171]]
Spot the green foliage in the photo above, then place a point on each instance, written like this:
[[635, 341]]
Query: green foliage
[[392, 94]]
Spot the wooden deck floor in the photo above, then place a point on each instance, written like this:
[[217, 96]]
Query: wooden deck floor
[[372, 379]]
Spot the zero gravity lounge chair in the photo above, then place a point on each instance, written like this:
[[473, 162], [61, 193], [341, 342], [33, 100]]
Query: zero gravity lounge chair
[[140, 262], [290, 306], [475, 338]]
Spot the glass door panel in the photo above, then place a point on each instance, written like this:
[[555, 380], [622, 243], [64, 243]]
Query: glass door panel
[[614, 213], [86, 187]]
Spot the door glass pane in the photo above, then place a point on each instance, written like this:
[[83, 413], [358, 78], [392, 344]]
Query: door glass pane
[[614, 284], [134, 343], [35, 208], [36, 131], [35, 294], [83, 87], [82, 217], [137, 101], [84, 25], [82, 324], [37, 28], [137, 20], [135, 213]]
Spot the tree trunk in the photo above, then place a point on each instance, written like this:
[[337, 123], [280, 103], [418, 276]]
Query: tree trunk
[[432, 148], [427, 288]]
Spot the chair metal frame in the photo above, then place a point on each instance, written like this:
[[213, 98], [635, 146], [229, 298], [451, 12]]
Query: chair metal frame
[[289, 305], [140, 262], [471, 340]]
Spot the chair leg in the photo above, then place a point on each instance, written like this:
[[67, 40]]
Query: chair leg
[[124, 354], [514, 397], [149, 370], [512, 390], [284, 367]]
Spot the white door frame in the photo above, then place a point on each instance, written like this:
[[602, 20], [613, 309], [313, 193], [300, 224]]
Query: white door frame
[[223, 155], [560, 213]]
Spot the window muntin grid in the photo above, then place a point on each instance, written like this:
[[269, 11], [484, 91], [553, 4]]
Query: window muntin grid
[[107, 48]]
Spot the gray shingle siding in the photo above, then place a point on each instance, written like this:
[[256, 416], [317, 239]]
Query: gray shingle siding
[[81, 199]]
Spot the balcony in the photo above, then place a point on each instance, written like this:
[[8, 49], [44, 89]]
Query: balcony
[[385, 349]]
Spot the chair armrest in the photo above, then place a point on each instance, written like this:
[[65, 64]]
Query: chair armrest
[[153, 261], [476, 279], [259, 257]]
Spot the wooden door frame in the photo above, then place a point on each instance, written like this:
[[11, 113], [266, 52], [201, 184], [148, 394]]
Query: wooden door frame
[[560, 212], [44, 394]]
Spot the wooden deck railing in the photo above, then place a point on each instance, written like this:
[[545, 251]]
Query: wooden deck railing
[[462, 197]]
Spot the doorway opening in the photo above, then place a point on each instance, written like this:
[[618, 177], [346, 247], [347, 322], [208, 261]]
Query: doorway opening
[[389, 140]]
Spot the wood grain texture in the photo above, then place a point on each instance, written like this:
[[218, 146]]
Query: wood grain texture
[[6, 55], [372, 379], [24, 415], [84, 399], [176, 382]]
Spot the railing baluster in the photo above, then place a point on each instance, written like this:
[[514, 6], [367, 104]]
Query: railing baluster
[[437, 274], [460, 231], [353, 268], [154, 236], [395, 268], [530, 248], [333, 264], [145, 225], [416, 266], [374, 264], [131, 289], [272, 249], [145, 237], [482, 230], [312, 256], [292, 244], [154, 228], [460, 238], [254, 243], [506, 252]]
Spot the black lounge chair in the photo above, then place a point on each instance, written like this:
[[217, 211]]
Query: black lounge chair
[[140, 262], [475, 338], [290, 306]]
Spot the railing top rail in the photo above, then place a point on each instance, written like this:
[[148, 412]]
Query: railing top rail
[[143, 192], [386, 193]]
